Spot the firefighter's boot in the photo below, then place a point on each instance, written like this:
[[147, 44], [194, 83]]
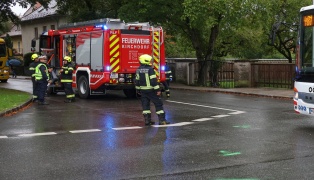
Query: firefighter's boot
[[162, 119], [148, 119], [68, 100]]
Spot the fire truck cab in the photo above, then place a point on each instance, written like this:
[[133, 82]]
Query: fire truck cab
[[105, 53]]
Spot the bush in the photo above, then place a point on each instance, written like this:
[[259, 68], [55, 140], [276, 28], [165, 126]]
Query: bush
[[28, 58]]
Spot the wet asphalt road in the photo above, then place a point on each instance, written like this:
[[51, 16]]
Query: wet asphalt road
[[212, 136]]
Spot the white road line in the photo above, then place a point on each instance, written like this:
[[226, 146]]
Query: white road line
[[3, 137], [37, 134], [124, 128], [202, 105], [203, 119], [238, 112], [220, 116], [86, 130], [175, 124]]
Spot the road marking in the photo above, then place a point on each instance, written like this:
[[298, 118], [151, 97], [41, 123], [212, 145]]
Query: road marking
[[83, 131], [243, 126], [212, 107], [220, 116], [37, 134], [237, 112], [124, 128], [228, 153], [175, 124], [234, 112], [203, 119]]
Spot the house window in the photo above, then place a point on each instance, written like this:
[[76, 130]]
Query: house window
[[36, 32], [52, 27], [44, 28]]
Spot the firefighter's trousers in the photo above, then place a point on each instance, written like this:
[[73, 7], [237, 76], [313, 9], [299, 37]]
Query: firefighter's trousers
[[150, 95], [68, 90], [166, 87], [35, 96], [41, 87]]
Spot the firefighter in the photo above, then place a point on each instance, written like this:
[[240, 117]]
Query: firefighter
[[66, 79], [42, 79], [146, 84], [166, 83], [32, 67]]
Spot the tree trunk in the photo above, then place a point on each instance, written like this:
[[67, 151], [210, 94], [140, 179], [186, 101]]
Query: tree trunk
[[204, 64]]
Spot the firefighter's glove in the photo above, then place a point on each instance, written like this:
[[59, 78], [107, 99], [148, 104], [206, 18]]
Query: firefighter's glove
[[158, 93], [138, 92]]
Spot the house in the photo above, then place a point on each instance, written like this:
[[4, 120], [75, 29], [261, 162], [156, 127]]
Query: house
[[37, 20], [16, 38]]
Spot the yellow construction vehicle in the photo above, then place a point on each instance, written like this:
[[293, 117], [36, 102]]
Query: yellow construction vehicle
[[5, 52]]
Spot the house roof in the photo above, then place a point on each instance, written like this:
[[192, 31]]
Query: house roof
[[15, 31], [39, 11]]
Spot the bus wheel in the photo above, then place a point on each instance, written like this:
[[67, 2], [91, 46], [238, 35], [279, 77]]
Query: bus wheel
[[130, 93], [83, 87]]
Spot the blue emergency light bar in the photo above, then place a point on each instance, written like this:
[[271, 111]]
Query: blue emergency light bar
[[104, 27]]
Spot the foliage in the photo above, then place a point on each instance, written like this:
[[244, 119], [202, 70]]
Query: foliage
[[83, 10], [7, 15], [8, 41], [283, 32], [206, 29], [27, 58]]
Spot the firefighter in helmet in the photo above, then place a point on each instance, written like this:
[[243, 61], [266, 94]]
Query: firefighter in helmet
[[66, 79], [42, 79], [166, 83], [32, 67], [146, 84]]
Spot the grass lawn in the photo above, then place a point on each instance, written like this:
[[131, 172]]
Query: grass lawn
[[11, 98]]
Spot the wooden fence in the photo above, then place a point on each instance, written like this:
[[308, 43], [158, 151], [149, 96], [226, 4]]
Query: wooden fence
[[263, 74], [279, 75]]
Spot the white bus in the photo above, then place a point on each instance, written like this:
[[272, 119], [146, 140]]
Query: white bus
[[304, 81]]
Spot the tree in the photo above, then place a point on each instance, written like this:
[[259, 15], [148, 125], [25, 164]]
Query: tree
[[6, 14], [8, 41], [83, 10], [283, 32], [210, 28], [209, 25]]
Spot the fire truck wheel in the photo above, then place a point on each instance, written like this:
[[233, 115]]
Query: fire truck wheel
[[4, 81], [83, 87], [130, 93]]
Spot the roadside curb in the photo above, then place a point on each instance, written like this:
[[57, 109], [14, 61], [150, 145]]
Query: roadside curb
[[232, 92]]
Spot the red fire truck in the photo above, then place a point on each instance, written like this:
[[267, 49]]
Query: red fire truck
[[105, 53]]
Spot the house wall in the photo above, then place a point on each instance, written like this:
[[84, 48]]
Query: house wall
[[28, 30], [17, 40]]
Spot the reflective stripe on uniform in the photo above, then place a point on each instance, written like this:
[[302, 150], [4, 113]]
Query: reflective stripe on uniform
[[160, 112], [67, 80], [146, 112]]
